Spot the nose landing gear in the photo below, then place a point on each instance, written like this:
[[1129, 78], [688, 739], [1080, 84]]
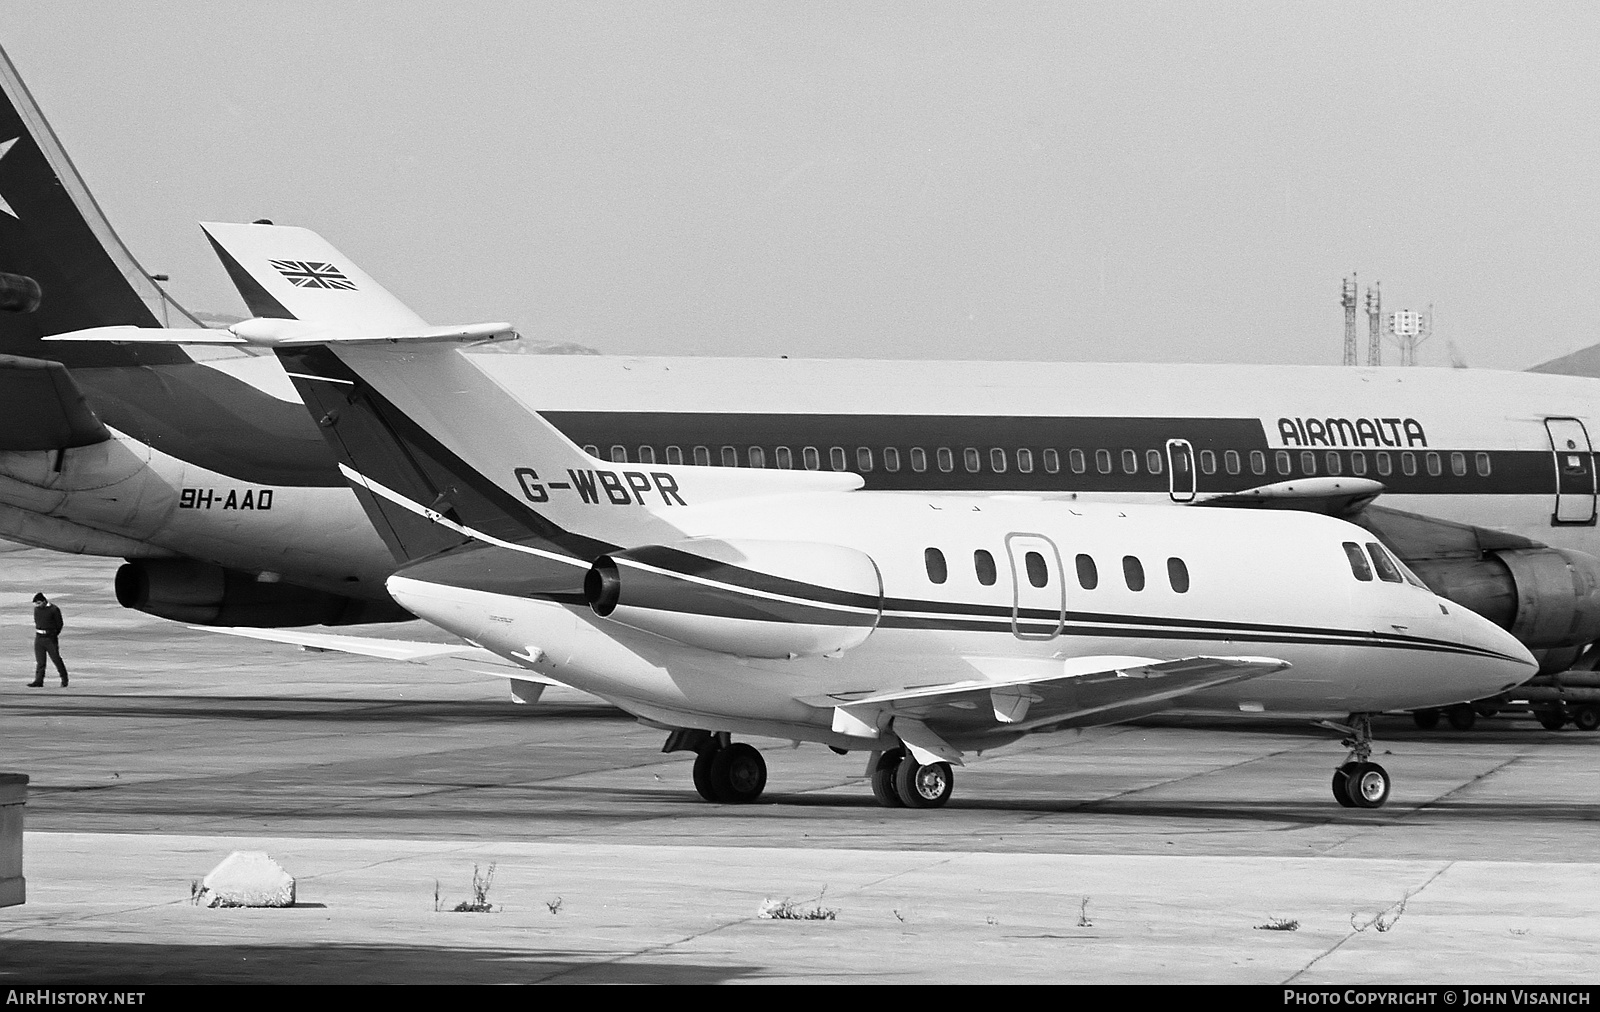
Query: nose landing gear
[[1359, 782]]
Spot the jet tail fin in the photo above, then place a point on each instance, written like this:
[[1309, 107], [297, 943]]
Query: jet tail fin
[[1583, 362]]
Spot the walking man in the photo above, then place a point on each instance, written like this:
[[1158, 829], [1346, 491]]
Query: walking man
[[46, 639]]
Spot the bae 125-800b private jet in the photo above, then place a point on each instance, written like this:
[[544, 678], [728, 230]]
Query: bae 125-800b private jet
[[792, 604]]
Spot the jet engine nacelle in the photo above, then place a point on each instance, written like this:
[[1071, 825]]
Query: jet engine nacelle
[[19, 293], [750, 598], [187, 590], [1545, 597]]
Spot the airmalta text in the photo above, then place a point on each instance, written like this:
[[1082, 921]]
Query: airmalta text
[[618, 488], [1351, 432]]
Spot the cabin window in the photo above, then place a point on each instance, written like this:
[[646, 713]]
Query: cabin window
[[1458, 464], [757, 457], [647, 455], [997, 461], [1038, 573], [591, 449], [730, 457], [933, 559], [971, 459], [1130, 462], [1408, 463], [1076, 461], [1358, 462], [836, 458], [891, 459], [1178, 576], [1308, 462], [1385, 464], [674, 454], [1258, 462], [1387, 571], [1052, 462], [1152, 461], [783, 458], [1025, 461], [1230, 461], [864, 459], [1334, 461], [619, 454], [702, 456], [1435, 465], [947, 460], [1281, 459], [1483, 465], [1208, 462], [983, 564], [1358, 562], [812, 458], [1133, 572], [919, 459], [1102, 461], [1088, 573]]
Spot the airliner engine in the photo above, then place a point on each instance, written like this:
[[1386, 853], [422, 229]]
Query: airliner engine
[[186, 590], [1545, 597], [749, 598], [18, 293]]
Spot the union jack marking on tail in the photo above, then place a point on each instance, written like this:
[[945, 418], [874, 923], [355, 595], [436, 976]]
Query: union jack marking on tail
[[310, 274]]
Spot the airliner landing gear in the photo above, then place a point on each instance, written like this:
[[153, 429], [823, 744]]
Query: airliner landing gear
[[726, 772], [899, 781], [1359, 783]]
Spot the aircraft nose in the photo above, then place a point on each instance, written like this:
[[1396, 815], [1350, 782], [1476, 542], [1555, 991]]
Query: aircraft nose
[[1505, 662]]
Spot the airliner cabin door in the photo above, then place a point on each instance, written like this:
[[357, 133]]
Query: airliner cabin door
[[1180, 470], [1575, 477], [1039, 594]]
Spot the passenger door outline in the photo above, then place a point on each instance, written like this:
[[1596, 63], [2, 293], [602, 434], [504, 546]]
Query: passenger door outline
[[1180, 470], [1572, 455], [1049, 600]]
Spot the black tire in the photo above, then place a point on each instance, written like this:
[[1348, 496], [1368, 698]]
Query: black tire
[[1586, 717], [1462, 717], [1552, 719], [1368, 785], [702, 774], [1341, 785], [883, 778], [738, 774], [1426, 720], [923, 786]]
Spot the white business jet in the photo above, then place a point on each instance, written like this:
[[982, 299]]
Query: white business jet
[[711, 602]]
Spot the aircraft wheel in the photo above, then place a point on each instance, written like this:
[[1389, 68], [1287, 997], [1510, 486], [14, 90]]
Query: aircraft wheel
[[1552, 719], [738, 774], [1341, 785], [923, 786], [1368, 785], [1586, 717], [883, 778], [1462, 717], [1426, 720], [702, 774]]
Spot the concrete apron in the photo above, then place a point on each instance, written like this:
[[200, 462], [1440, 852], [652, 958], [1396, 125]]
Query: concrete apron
[[381, 910]]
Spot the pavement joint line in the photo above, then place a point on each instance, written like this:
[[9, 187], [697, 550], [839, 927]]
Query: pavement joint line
[[1486, 774], [1407, 812], [1354, 931]]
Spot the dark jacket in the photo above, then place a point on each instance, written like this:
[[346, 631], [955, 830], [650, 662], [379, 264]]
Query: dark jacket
[[47, 619]]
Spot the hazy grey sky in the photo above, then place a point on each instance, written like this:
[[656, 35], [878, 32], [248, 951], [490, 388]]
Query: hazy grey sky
[[1113, 181]]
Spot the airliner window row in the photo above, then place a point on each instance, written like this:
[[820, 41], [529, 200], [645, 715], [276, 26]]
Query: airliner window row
[[1038, 571], [999, 460]]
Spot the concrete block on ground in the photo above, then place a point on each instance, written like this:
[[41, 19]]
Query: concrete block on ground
[[247, 878], [13, 798]]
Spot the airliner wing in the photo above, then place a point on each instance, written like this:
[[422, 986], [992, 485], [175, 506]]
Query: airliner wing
[[1034, 694], [1337, 497], [41, 408]]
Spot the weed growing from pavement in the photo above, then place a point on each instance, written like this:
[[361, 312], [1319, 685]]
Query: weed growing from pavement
[[554, 905], [1279, 924], [479, 904], [788, 910], [1083, 914]]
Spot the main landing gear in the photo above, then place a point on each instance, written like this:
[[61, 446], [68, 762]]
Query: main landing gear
[[725, 771], [1359, 783], [899, 781]]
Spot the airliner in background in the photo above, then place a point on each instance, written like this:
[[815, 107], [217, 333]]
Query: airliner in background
[[199, 466]]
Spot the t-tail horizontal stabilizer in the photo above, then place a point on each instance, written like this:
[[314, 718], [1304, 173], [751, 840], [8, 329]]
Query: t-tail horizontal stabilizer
[[41, 408]]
